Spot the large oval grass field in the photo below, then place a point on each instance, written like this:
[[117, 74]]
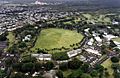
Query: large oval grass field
[[57, 38]]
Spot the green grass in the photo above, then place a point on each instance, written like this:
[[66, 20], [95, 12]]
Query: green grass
[[60, 56], [107, 64], [67, 72], [104, 19], [116, 39], [100, 18], [11, 38], [68, 23], [89, 16], [57, 38]]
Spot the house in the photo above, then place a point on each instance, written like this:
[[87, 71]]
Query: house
[[73, 53], [117, 43], [115, 23], [90, 42], [27, 38], [109, 36], [35, 74], [82, 58], [87, 30], [98, 39], [93, 51]]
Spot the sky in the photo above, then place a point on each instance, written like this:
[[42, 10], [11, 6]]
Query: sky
[[91, 1]]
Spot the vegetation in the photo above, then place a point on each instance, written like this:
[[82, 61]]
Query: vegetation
[[85, 76], [49, 65], [18, 75], [116, 39], [75, 64], [27, 67], [63, 66], [3, 37], [107, 64], [60, 74], [116, 68], [75, 74], [60, 56], [57, 39], [115, 59], [67, 73], [2, 74], [11, 38], [112, 44]]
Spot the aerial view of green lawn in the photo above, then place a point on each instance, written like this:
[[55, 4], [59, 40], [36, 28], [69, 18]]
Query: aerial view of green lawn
[[116, 39], [57, 38], [107, 64], [11, 38]]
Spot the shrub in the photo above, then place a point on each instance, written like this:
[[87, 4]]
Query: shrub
[[60, 56], [114, 59], [75, 64], [63, 66]]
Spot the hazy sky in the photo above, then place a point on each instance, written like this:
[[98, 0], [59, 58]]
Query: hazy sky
[[100, 1]]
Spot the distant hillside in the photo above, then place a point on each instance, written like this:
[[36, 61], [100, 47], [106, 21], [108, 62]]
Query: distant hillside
[[102, 1], [107, 3]]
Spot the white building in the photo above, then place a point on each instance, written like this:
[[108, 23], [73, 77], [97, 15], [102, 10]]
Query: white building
[[73, 53], [90, 42], [98, 39], [115, 23], [82, 58], [93, 51], [118, 44], [87, 30], [45, 57], [109, 36], [27, 38]]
